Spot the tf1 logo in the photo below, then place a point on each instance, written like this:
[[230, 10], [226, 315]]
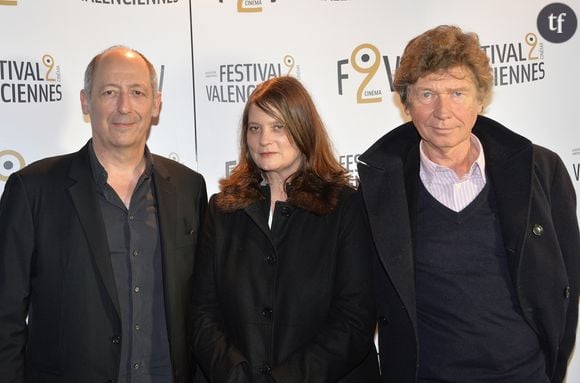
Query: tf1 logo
[[557, 22], [366, 60]]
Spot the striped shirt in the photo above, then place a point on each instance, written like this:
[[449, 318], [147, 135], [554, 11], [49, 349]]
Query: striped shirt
[[444, 185]]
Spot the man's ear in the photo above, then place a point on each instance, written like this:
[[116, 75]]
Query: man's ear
[[84, 102], [156, 105]]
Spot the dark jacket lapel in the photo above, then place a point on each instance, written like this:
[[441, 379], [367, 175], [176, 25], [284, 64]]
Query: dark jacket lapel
[[256, 213], [83, 195], [166, 195], [387, 183], [508, 158]]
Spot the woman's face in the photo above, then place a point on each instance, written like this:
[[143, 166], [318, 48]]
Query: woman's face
[[270, 146]]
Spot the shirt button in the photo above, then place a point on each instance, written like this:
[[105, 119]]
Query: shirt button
[[267, 312], [135, 253], [137, 327], [270, 259], [136, 366], [265, 369], [136, 289], [538, 230], [567, 292], [131, 217]]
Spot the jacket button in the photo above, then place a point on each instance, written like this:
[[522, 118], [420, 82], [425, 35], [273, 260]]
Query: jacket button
[[267, 312], [116, 339], [286, 211], [538, 230], [265, 369], [270, 259], [383, 320], [567, 292], [111, 381]]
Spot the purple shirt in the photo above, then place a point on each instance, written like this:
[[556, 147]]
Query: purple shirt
[[444, 185]]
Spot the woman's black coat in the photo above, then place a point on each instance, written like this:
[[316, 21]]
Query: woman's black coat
[[293, 303]]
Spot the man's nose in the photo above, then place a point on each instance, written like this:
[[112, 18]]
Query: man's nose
[[124, 102], [442, 106]]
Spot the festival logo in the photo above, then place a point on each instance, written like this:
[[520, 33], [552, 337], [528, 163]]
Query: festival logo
[[557, 23], [367, 73], [517, 62], [30, 81], [250, 6], [10, 162], [233, 83]]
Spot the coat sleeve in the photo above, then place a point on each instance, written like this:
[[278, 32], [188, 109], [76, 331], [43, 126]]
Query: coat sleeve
[[218, 358], [345, 340], [16, 251], [564, 215]]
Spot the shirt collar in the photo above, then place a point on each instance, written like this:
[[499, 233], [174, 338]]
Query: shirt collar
[[100, 173], [429, 169]]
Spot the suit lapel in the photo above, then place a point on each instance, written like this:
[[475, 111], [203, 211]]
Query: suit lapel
[[387, 205], [166, 195], [510, 170], [256, 214], [83, 193]]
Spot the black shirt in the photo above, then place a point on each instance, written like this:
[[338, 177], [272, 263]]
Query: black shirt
[[134, 246]]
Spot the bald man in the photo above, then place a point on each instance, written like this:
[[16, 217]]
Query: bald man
[[97, 247]]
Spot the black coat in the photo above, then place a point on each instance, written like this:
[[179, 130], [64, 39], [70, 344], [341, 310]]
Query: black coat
[[294, 302], [55, 267], [532, 188]]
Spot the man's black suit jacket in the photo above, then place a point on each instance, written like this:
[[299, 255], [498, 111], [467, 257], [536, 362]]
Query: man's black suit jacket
[[532, 188], [55, 268]]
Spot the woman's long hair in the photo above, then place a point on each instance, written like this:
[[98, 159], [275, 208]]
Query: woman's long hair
[[317, 184]]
